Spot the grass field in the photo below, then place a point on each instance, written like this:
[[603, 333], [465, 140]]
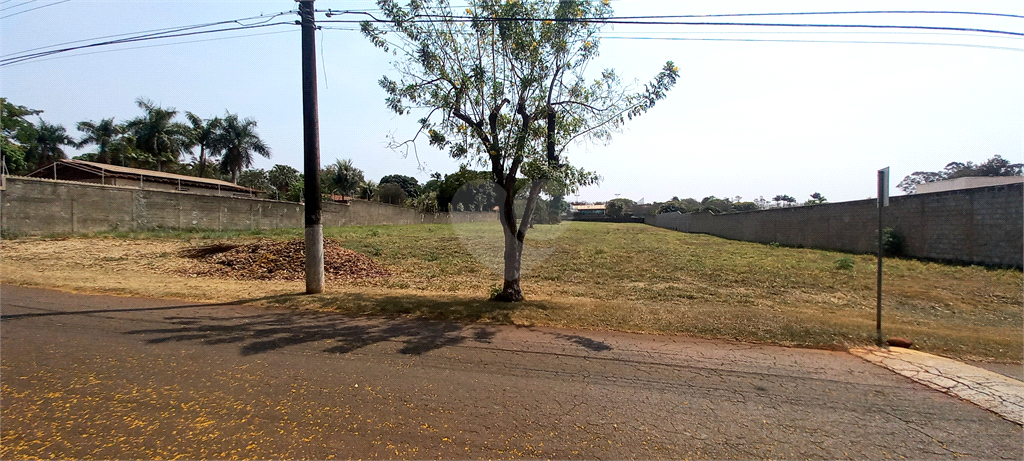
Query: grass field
[[625, 277]]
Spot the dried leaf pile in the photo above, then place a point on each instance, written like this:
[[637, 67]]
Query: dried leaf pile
[[278, 260]]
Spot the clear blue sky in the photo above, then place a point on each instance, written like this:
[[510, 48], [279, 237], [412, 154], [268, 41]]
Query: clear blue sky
[[747, 118]]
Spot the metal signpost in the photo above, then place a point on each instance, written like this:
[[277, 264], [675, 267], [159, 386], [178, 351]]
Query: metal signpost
[[883, 201]]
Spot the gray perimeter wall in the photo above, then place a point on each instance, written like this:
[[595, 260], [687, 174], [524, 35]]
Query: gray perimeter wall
[[975, 226], [32, 206]]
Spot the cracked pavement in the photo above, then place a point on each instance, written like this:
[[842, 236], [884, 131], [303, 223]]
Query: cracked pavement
[[987, 389], [110, 377]]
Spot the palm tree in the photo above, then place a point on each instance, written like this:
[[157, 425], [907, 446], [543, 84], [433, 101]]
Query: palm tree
[[203, 133], [347, 177], [48, 141], [103, 134], [157, 134], [237, 141]]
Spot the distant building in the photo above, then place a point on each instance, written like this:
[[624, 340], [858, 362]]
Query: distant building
[[113, 175], [588, 210], [968, 182]]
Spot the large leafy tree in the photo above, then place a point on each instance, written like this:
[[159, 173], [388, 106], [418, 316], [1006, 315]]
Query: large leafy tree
[[504, 83], [48, 143], [409, 184], [238, 141], [16, 135], [995, 166], [158, 135], [203, 134]]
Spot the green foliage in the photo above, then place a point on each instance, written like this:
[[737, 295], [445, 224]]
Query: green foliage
[[368, 190], [510, 94], [717, 205], [295, 191], [452, 183], [16, 136], [995, 166], [237, 142], [745, 206], [47, 146], [892, 242], [391, 193], [426, 202], [670, 207], [255, 179], [844, 263], [281, 178], [345, 177], [205, 134], [156, 134], [784, 200], [816, 198], [409, 184], [619, 207]]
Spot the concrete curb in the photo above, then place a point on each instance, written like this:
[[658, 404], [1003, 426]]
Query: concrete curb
[[992, 391]]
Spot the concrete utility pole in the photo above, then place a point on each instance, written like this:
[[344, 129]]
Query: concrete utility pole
[[311, 154]]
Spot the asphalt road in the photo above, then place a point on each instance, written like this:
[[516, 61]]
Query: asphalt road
[[109, 377]]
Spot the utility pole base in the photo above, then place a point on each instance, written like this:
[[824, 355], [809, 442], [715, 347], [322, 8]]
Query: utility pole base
[[315, 259]]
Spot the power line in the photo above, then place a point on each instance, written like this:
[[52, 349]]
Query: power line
[[967, 45], [154, 46], [33, 9], [822, 13], [613, 20], [15, 60], [23, 3], [726, 15], [156, 31]]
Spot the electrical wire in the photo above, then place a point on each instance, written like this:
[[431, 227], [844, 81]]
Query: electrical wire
[[967, 45], [465, 19], [150, 32], [161, 34], [158, 45], [9, 61], [15, 6], [726, 15], [33, 9]]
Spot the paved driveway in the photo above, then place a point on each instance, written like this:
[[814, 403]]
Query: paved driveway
[[110, 377]]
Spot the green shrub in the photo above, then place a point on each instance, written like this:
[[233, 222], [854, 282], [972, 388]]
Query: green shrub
[[892, 242], [845, 263]]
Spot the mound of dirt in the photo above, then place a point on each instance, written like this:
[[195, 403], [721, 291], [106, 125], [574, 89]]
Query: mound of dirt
[[278, 260]]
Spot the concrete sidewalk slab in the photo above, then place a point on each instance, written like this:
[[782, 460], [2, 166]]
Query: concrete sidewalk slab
[[992, 391]]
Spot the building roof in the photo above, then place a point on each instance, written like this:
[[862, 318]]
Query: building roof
[[967, 182], [589, 207], [103, 169]]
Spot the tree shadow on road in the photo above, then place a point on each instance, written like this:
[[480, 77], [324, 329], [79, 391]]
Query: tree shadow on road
[[345, 322], [264, 332]]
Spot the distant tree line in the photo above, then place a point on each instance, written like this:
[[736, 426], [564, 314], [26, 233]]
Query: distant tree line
[[730, 205], [995, 166], [218, 147]]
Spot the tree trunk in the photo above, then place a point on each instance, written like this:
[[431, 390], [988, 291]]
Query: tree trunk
[[510, 290], [202, 161], [514, 238]]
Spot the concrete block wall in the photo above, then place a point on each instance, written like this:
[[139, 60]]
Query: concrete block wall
[[974, 226], [34, 206]]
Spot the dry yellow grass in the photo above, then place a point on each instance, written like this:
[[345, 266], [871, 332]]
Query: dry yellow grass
[[584, 275]]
